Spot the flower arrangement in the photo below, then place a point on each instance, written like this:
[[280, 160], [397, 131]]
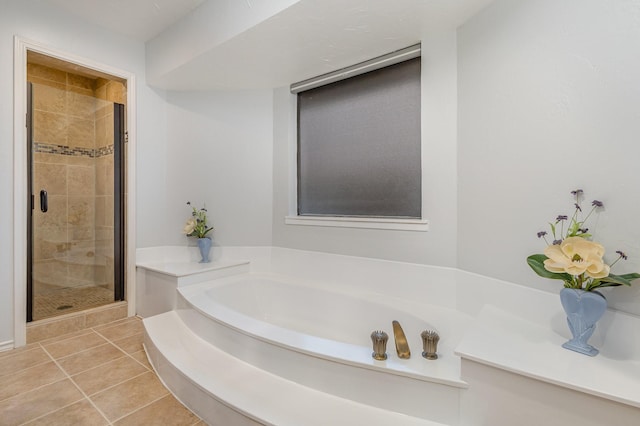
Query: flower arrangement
[[196, 225], [573, 257]]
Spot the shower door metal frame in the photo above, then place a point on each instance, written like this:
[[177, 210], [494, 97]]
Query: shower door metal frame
[[30, 201], [119, 224], [119, 255]]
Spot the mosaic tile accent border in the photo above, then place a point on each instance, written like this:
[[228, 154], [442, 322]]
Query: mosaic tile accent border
[[47, 148]]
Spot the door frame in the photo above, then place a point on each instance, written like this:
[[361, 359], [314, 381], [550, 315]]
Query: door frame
[[20, 178]]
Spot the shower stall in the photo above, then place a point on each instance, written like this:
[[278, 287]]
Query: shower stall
[[77, 171]]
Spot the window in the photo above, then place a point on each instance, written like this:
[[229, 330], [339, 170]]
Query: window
[[359, 142]]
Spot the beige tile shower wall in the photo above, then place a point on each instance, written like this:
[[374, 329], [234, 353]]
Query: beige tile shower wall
[[64, 237]]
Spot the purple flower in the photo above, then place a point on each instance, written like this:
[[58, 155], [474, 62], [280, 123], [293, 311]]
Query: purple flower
[[584, 230], [621, 254], [577, 192], [596, 203], [578, 207], [542, 234], [557, 242], [561, 217]]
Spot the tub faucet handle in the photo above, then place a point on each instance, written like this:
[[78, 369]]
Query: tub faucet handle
[[430, 344], [402, 346], [379, 339]]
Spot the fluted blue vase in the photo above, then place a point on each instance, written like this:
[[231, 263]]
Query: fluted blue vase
[[583, 309], [204, 244]]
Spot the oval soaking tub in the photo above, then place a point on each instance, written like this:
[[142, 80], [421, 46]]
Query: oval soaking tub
[[319, 336]]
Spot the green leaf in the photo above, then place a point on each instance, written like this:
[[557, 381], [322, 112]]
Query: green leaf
[[601, 285], [536, 262], [616, 280]]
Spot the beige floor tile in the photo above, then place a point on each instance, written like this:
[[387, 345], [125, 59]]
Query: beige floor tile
[[130, 344], [121, 329], [127, 397], [65, 337], [90, 358], [107, 375], [29, 379], [16, 351], [33, 404], [22, 360], [141, 357], [163, 412], [80, 413], [73, 345]]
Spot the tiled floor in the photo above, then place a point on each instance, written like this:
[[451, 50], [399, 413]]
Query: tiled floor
[[60, 301], [98, 376]]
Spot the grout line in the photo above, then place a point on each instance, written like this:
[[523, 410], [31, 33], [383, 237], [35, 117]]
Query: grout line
[[89, 349], [51, 412], [40, 345], [63, 337], [31, 389], [144, 406], [2, 376], [85, 396], [122, 350], [117, 384]]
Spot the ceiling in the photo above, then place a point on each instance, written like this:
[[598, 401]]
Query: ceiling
[[305, 38], [140, 19]]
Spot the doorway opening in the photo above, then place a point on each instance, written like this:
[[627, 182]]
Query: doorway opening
[[76, 180]]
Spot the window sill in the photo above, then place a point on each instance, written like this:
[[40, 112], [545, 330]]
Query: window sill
[[420, 225]]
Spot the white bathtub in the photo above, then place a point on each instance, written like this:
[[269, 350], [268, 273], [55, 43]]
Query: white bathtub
[[297, 324], [327, 323]]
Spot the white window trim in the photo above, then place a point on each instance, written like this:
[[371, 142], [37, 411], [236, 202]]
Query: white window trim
[[293, 219], [421, 225]]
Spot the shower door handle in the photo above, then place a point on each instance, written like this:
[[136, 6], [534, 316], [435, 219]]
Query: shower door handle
[[44, 201]]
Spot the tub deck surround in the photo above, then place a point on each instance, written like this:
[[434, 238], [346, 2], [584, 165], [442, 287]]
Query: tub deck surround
[[161, 270], [534, 349], [500, 349]]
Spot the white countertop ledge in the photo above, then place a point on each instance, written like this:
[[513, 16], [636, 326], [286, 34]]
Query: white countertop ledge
[[182, 269], [534, 349]]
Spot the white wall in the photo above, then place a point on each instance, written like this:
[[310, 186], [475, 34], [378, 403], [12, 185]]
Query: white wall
[[435, 247], [39, 22], [220, 154], [549, 101]]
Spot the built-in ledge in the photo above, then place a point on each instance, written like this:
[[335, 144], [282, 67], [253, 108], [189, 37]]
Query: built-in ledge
[[534, 349], [160, 271]]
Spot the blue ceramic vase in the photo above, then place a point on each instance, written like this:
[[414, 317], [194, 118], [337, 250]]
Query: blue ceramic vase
[[583, 309], [204, 244]]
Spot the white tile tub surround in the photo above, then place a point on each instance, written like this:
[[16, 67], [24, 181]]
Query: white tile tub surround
[[514, 335]]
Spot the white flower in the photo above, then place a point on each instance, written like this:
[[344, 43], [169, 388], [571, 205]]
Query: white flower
[[190, 226], [576, 256]]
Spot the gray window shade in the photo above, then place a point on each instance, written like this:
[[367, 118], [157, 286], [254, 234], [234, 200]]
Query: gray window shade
[[359, 145]]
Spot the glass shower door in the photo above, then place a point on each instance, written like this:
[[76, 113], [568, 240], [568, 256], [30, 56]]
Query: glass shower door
[[76, 179]]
